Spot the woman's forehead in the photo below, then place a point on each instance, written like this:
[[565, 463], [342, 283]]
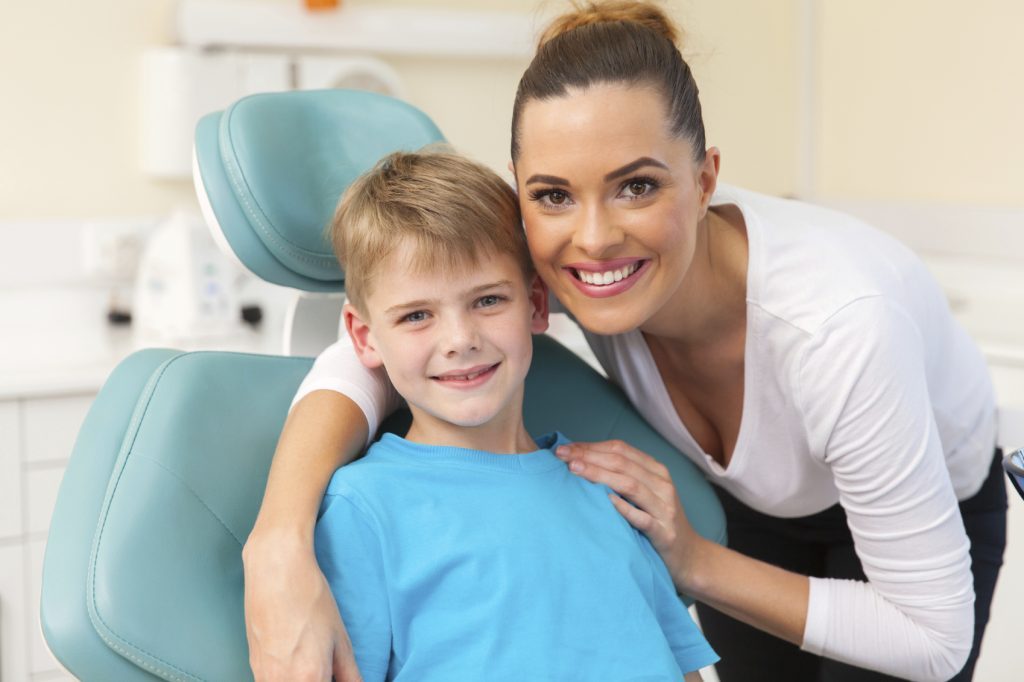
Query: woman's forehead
[[602, 127]]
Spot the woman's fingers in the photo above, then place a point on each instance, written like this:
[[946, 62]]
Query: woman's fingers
[[622, 468], [292, 621], [637, 517], [344, 664]]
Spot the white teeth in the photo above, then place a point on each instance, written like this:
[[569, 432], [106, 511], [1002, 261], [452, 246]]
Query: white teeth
[[607, 277], [465, 377]]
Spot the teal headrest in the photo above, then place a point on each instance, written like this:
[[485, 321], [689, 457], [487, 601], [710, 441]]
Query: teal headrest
[[270, 168]]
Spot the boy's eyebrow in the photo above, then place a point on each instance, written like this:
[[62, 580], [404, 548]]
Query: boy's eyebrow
[[419, 303], [617, 173]]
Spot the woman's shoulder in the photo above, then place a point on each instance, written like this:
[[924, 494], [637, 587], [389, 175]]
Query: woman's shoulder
[[808, 262]]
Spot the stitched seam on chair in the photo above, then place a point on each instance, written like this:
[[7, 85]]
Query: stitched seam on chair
[[255, 212], [189, 488], [131, 433], [144, 401], [149, 666]]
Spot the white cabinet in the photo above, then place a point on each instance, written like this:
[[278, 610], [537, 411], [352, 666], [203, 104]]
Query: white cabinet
[[13, 633], [10, 471], [51, 426], [36, 438]]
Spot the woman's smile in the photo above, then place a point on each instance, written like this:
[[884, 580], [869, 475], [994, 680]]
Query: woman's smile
[[608, 278]]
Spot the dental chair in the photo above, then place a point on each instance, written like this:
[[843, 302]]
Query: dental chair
[[142, 578]]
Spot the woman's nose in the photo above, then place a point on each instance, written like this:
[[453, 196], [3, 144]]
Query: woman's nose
[[596, 232]]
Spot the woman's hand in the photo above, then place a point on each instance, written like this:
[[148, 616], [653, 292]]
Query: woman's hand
[[648, 498], [292, 623]]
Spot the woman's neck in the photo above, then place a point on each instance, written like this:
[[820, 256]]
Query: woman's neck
[[711, 301]]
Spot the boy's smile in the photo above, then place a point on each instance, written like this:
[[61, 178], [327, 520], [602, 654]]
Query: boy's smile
[[456, 345]]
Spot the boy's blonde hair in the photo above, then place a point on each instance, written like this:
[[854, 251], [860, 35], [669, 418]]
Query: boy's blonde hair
[[453, 209]]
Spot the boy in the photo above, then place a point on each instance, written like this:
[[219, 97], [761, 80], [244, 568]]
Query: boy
[[466, 550]]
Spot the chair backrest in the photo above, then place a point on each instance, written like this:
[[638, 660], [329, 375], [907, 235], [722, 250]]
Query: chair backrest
[[142, 576], [270, 168]]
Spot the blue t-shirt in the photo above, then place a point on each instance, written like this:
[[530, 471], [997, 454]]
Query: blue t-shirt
[[453, 564]]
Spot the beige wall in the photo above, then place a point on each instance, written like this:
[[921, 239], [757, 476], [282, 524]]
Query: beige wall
[[912, 100], [69, 120], [69, 131], [921, 99]]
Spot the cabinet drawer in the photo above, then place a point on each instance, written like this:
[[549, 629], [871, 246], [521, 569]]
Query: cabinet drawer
[[13, 644], [51, 426], [10, 470], [42, 485], [39, 657]]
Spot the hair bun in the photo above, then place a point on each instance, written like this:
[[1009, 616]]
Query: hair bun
[[639, 12]]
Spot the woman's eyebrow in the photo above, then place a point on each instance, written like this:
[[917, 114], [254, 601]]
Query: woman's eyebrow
[[617, 173], [548, 180], [634, 165]]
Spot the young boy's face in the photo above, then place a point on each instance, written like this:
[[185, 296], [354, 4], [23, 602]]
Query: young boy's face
[[457, 346]]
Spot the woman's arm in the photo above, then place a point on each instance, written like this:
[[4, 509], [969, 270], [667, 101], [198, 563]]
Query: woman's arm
[[292, 621]]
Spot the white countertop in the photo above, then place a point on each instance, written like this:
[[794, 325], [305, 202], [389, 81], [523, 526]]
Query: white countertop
[[58, 342]]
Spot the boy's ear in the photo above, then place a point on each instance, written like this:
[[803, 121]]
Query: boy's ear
[[539, 303], [362, 338]]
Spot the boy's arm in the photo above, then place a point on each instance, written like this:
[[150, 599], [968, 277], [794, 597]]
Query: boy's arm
[[292, 622], [693, 677], [349, 553], [691, 649]]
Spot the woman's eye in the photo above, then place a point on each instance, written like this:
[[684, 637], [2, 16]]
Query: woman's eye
[[638, 187], [551, 198]]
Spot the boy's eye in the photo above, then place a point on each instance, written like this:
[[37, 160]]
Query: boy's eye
[[416, 316], [489, 300]]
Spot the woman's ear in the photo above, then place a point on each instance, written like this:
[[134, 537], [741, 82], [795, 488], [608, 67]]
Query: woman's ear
[[707, 177], [539, 303], [362, 337]]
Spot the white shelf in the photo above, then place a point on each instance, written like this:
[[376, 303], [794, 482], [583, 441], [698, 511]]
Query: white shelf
[[384, 30]]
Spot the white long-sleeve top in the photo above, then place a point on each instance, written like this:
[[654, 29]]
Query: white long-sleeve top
[[859, 388]]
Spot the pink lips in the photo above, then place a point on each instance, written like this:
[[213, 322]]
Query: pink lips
[[606, 290], [456, 379]]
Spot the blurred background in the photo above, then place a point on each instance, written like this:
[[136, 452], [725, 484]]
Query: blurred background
[[907, 113]]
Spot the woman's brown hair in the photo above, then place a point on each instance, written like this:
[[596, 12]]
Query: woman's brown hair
[[631, 43]]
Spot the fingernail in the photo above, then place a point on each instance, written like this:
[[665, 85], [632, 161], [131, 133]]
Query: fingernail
[[562, 451], [576, 466]]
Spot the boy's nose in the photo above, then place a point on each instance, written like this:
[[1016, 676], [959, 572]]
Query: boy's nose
[[596, 231], [462, 337]]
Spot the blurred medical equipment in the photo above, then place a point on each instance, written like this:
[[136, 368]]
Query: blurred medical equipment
[[185, 288], [142, 577], [1013, 465]]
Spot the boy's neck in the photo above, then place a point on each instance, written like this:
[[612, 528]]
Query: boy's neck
[[503, 437]]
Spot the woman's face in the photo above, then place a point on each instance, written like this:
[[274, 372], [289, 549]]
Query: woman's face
[[611, 203]]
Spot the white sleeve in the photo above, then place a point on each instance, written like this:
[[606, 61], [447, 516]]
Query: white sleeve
[[863, 391], [338, 369]]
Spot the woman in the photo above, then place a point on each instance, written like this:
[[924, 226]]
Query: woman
[[808, 364]]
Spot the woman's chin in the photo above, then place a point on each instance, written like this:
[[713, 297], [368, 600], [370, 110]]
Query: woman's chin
[[606, 320]]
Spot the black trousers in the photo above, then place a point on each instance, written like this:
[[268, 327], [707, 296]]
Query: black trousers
[[820, 545]]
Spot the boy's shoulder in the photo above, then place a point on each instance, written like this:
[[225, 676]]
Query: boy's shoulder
[[364, 474]]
